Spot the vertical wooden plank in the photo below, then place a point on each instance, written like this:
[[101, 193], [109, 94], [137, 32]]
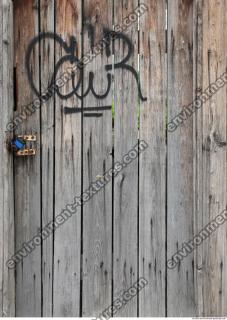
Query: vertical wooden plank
[[181, 280], [126, 183], [152, 161], [2, 142], [197, 146], [7, 280], [27, 170], [97, 158], [47, 138], [211, 164], [67, 170]]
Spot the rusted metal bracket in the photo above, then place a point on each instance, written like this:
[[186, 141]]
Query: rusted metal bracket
[[23, 145]]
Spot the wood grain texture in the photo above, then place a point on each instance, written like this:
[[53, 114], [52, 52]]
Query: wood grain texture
[[97, 158], [67, 238], [157, 203], [47, 24], [2, 142], [197, 144], [210, 157], [27, 170], [152, 173], [7, 279], [125, 271], [180, 226]]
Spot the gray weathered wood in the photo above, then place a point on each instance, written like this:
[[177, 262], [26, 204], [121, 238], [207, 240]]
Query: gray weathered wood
[[67, 238], [180, 281], [210, 157], [152, 162], [197, 146], [7, 281], [2, 143], [97, 158], [123, 232], [27, 170], [47, 22], [125, 253]]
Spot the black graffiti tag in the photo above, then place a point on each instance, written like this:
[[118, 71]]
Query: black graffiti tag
[[71, 57]]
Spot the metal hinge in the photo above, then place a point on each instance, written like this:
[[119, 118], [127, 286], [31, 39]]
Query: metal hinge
[[23, 145]]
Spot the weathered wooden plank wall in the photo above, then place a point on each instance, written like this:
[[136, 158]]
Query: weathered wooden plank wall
[[7, 282], [47, 15], [131, 227], [180, 281], [152, 163], [97, 158], [27, 171], [210, 156], [125, 208], [66, 286]]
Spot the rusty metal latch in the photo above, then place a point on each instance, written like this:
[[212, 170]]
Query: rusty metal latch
[[23, 145]]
